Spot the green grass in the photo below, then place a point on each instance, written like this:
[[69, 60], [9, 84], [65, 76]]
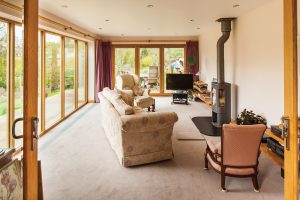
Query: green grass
[[4, 105], [53, 93]]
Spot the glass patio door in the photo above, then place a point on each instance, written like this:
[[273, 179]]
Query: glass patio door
[[150, 69]]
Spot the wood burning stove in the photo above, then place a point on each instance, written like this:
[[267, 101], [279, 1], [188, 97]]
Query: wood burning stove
[[221, 106], [221, 91]]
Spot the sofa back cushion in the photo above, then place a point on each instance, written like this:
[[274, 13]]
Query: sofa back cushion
[[117, 102]]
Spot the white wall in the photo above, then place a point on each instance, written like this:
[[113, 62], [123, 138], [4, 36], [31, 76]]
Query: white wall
[[253, 60]]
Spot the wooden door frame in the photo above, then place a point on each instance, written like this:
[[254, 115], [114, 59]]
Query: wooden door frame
[[30, 171], [291, 99]]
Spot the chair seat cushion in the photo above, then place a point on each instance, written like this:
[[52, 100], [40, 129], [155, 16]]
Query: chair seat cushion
[[144, 101], [229, 170]]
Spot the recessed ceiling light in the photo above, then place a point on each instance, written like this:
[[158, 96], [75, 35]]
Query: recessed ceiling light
[[192, 20], [150, 6], [236, 5], [107, 20], [100, 28], [64, 6]]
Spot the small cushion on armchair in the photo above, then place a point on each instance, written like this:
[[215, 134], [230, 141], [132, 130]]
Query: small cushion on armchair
[[126, 95], [138, 91]]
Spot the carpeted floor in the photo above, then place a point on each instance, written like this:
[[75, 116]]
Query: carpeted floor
[[78, 163]]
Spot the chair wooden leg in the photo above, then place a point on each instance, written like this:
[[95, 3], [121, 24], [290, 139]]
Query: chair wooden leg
[[153, 106], [223, 180], [149, 109], [205, 162], [255, 183]]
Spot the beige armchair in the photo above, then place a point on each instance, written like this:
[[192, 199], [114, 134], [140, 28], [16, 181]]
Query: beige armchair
[[141, 95], [237, 155]]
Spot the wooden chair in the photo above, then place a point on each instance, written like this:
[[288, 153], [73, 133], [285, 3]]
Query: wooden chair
[[239, 152]]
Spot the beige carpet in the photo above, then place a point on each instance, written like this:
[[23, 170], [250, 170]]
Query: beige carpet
[[78, 163]]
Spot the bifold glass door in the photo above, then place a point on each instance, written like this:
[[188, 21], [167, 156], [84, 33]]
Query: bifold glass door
[[18, 79], [124, 61], [4, 84], [150, 68], [173, 63], [52, 80], [69, 75], [62, 79]]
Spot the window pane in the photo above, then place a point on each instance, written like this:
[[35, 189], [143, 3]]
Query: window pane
[[173, 62], [149, 69], [69, 75], [3, 85], [18, 76], [53, 67], [81, 73], [124, 61]]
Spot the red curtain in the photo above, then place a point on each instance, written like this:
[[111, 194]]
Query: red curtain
[[192, 56], [103, 70]]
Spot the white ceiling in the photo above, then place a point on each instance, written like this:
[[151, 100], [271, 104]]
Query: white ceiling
[[134, 18]]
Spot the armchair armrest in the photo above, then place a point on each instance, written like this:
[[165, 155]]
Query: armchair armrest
[[146, 121]]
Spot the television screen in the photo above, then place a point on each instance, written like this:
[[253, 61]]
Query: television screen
[[179, 81]]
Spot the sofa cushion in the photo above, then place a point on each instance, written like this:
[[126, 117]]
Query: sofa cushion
[[118, 102], [126, 95], [122, 107], [110, 94]]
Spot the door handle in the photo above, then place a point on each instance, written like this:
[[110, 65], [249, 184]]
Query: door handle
[[14, 129], [34, 136], [286, 131]]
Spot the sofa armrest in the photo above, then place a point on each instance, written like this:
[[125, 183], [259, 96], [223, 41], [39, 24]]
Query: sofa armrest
[[148, 121]]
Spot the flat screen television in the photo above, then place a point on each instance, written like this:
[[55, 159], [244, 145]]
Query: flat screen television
[[179, 81]]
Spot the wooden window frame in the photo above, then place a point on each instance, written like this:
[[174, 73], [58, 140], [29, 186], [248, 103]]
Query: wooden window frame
[[137, 48]]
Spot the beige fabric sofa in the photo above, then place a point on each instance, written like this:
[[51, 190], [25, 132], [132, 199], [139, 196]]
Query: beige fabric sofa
[[141, 95], [137, 138]]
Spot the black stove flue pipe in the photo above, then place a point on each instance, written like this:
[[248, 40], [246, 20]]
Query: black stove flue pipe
[[226, 29]]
